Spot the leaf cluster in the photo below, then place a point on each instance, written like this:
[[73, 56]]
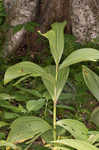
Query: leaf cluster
[[28, 128]]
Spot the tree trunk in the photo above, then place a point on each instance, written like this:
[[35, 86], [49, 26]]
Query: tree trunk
[[52, 11], [82, 18], [19, 12], [85, 19]]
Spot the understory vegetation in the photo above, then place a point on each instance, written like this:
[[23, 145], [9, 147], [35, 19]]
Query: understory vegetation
[[49, 99]]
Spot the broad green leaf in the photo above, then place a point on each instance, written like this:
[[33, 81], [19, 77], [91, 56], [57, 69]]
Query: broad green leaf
[[56, 40], [50, 85], [29, 91], [18, 96], [7, 105], [76, 144], [92, 81], [81, 55], [8, 144], [25, 128], [46, 95], [71, 108], [50, 81], [48, 136], [75, 127], [95, 116], [3, 124], [95, 132], [4, 96], [22, 69], [35, 105], [61, 80], [66, 96], [22, 79], [22, 109], [10, 115], [93, 138]]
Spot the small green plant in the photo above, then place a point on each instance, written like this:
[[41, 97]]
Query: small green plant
[[92, 82], [29, 128]]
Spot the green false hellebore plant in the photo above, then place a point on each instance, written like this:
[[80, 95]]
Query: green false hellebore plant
[[54, 78]]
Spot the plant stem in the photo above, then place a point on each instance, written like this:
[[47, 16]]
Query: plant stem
[[56, 72], [54, 121], [54, 108]]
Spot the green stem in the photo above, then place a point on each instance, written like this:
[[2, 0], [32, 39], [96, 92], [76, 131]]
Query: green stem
[[54, 109], [56, 72], [54, 121]]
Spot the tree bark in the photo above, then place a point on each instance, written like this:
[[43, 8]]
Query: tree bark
[[85, 19], [19, 12], [52, 11], [82, 18]]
